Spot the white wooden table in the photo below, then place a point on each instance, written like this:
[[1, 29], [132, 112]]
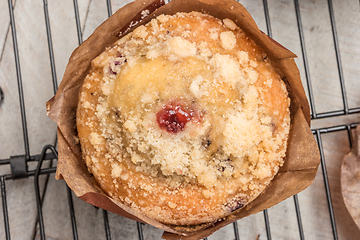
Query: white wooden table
[[37, 86]]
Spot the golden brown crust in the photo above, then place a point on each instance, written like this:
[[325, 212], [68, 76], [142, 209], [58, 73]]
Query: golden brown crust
[[226, 153]]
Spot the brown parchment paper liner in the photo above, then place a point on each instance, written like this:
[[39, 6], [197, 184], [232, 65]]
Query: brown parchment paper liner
[[302, 157], [350, 179]]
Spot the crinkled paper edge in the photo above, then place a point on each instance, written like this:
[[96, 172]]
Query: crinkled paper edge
[[302, 159]]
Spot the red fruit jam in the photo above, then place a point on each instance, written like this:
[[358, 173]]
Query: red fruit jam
[[174, 116]]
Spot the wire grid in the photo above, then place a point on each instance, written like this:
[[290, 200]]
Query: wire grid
[[49, 152]]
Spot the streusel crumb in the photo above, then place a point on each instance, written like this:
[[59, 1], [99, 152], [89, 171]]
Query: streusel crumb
[[183, 119]]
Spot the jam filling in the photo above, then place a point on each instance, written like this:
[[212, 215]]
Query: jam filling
[[174, 116]]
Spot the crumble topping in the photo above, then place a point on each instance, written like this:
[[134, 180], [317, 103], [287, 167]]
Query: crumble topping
[[228, 40], [185, 106]]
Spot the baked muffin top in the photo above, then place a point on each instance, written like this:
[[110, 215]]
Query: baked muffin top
[[184, 119]]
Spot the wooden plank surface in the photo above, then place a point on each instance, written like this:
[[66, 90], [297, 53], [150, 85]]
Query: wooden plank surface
[[37, 87], [37, 82], [20, 193]]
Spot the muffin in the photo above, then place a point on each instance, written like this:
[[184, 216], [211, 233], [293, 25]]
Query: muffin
[[184, 119]]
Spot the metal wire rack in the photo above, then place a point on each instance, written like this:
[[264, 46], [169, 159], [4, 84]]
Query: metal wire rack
[[19, 164]]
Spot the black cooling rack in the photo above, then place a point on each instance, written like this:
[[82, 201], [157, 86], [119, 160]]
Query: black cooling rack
[[18, 164]]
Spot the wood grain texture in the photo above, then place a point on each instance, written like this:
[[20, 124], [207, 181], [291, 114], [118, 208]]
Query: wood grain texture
[[20, 193]]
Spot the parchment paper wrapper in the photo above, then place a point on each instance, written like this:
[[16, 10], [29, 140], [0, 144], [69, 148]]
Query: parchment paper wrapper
[[350, 179], [302, 157]]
